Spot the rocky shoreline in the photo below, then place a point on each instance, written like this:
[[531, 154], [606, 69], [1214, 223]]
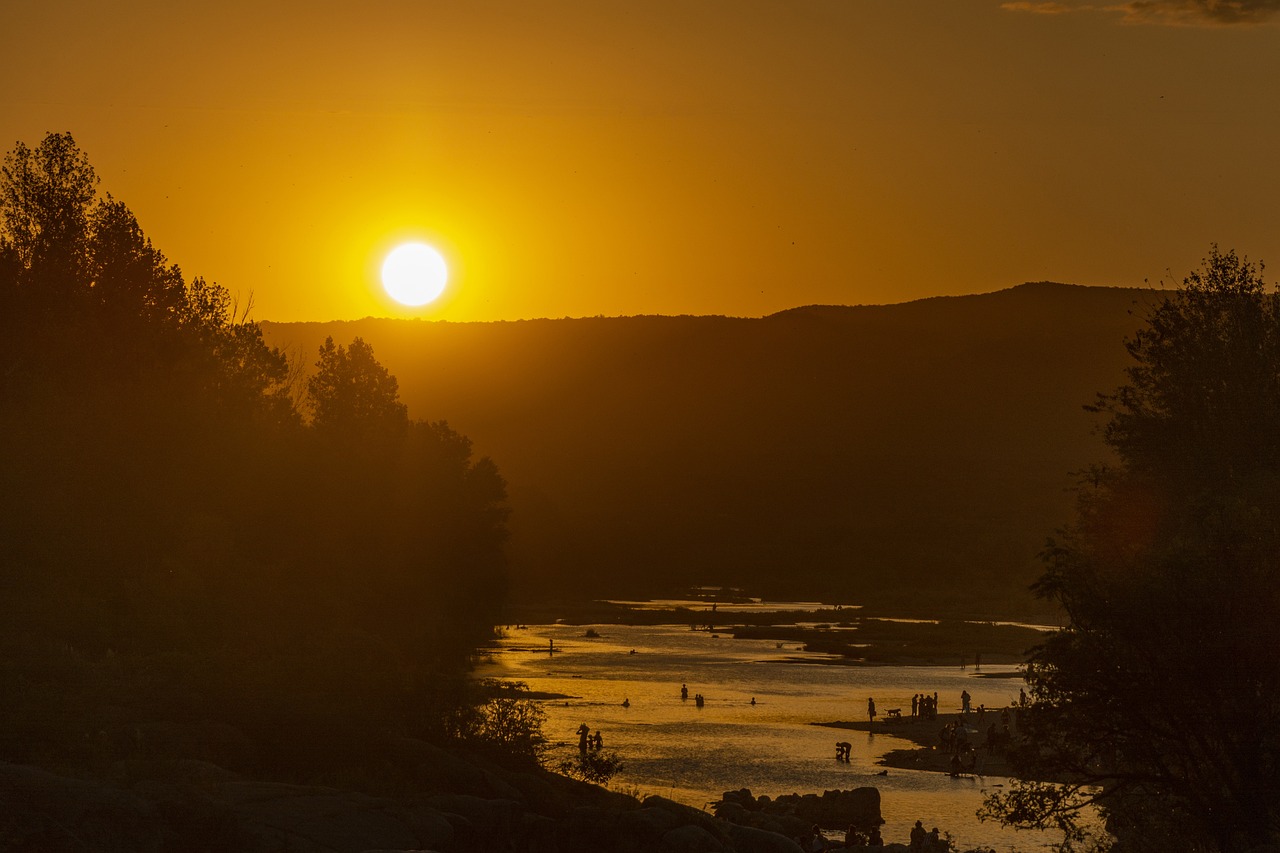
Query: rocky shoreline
[[459, 802], [453, 802]]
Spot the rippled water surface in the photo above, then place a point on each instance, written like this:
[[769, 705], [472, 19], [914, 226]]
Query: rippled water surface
[[673, 748]]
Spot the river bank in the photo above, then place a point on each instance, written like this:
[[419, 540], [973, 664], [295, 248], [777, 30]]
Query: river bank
[[929, 754]]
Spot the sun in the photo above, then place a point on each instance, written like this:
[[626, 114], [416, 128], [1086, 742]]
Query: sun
[[414, 274]]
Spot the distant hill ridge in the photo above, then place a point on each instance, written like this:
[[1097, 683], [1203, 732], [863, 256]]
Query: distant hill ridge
[[912, 454]]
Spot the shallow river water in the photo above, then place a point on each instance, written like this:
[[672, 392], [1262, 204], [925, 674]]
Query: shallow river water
[[673, 748]]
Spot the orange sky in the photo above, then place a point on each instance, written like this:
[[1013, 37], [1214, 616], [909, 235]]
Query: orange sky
[[692, 156]]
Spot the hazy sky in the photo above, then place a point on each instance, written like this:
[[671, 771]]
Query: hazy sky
[[692, 156]]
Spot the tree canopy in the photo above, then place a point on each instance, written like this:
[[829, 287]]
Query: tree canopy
[[1160, 701], [293, 567], [352, 394]]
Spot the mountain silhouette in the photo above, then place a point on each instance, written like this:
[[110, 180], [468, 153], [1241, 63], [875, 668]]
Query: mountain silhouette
[[913, 455]]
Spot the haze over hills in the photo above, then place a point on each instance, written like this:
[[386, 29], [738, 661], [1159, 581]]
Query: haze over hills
[[908, 455]]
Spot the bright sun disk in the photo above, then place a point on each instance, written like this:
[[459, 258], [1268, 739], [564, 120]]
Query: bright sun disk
[[414, 274]]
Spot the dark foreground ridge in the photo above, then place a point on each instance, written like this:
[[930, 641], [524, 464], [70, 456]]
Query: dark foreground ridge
[[157, 807], [194, 806], [473, 805]]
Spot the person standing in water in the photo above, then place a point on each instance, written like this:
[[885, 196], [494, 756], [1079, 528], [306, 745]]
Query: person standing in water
[[871, 710]]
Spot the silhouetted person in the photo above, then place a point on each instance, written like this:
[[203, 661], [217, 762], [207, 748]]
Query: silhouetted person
[[597, 742], [626, 703], [871, 710], [684, 691], [584, 734], [917, 836], [753, 700], [875, 840], [964, 701], [915, 703]]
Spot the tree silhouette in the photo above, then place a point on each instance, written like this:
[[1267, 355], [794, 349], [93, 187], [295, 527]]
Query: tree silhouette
[[180, 544], [45, 198], [352, 394], [1160, 702]]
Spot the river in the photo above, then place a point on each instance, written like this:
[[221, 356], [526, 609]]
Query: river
[[673, 748]]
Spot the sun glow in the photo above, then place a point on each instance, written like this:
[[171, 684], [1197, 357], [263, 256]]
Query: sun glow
[[414, 274]]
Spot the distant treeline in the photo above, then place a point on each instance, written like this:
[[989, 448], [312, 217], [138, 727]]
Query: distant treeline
[[907, 457], [193, 534]]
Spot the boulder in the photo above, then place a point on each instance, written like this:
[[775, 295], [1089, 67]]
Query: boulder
[[651, 821], [692, 839], [43, 811], [306, 821], [497, 817], [832, 810], [747, 839]]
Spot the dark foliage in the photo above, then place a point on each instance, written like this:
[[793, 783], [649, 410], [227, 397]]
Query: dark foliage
[[183, 551], [1161, 700]]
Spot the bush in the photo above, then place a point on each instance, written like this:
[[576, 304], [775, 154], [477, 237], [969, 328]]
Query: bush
[[594, 765]]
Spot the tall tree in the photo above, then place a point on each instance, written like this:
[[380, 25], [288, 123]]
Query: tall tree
[[46, 195], [1160, 702], [352, 394]]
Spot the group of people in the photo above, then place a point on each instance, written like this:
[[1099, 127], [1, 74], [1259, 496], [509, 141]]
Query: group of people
[[814, 841], [698, 698], [954, 736], [931, 841], [924, 706], [588, 741], [921, 840]]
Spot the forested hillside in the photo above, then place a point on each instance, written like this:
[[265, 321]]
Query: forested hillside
[[906, 454]]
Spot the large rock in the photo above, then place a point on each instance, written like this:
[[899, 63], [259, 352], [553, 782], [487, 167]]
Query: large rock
[[692, 839], [651, 821], [323, 821], [499, 816], [686, 814], [41, 811], [748, 839], [859, 807]]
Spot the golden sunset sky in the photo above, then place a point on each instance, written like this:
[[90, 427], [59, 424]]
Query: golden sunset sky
[[694, 156]]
